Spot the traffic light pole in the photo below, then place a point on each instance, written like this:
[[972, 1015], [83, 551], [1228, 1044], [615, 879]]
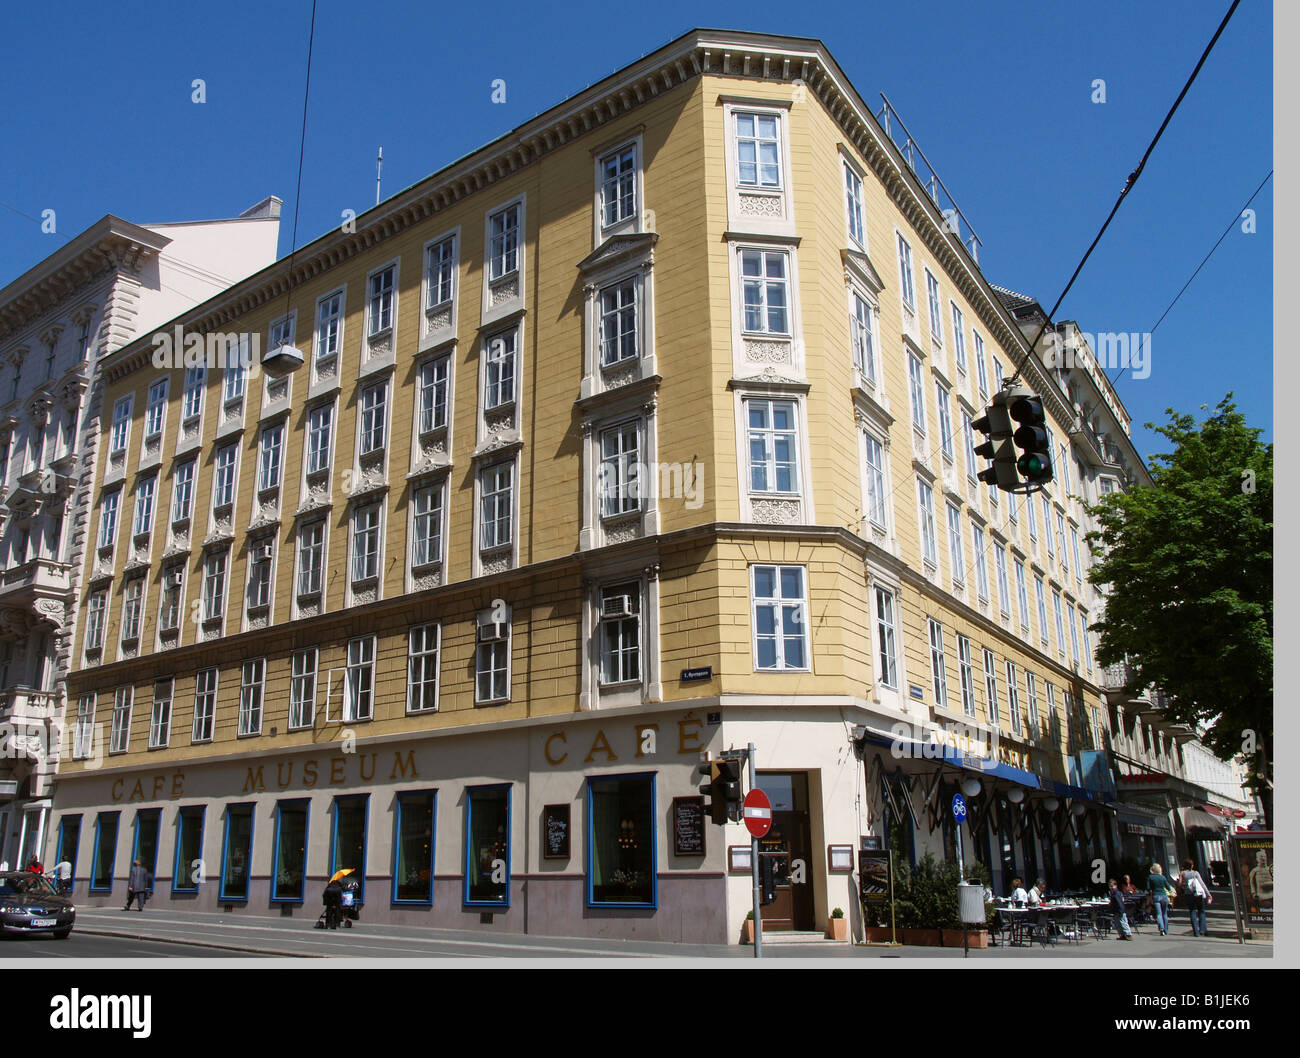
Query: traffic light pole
[[753, 863]]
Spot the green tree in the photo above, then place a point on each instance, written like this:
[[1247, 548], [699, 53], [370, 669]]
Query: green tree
[[1187, 566]]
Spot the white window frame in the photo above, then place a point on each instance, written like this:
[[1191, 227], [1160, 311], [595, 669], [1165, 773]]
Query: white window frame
[[780, 604], [618, 482], [496, 540], [132, 609], [145, 491], [426, 526], [215, 572], [925, 508], [314, 453], [916, 388], [854, 218], [1004, 584], [769, 436], [302, 689], [614, 634], [225, 475], [492, 660], [155, 413], [423, 652], [252, 696], [946, 445], [981, 368], [966, 668], [955, 555], [160, 713], [619, 312], [906, 273], [381, 300], [205, 705], [862, 336], [1060, 622], [311, 559], [938, 665], [109, 504], [196, 384], [260, 573], [1031, 690], [505, 248], [886, 644], [270, 457], [169, 599], [876, 476], [991, 688], [183, 474], [372, 421], [501, 369], [123, 705], [619, 181], [1013, 696], [327, 339], [433, 391], [934, 304], [359, 680], [958, 336], [765, 286], [1022, 593], [981, 563], [1040, 595], [757, 138], [83, 733], [440, 289], [365, 543], [120, 435]]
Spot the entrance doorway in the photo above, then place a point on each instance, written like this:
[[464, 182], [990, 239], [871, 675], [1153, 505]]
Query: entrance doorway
[[787, 852]]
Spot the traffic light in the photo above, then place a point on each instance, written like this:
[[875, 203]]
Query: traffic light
[[716, 806], [722, 787], [995, 424], [1035, 462]]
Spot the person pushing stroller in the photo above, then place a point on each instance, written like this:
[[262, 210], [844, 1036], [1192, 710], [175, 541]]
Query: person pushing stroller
[[339, 899]]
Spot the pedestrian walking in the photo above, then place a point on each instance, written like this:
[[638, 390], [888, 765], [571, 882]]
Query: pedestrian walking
[[34, 865], [137, 886], [1161, 889], [1196, 894], [1120, 912]]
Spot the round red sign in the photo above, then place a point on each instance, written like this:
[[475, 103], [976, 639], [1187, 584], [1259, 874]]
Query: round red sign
[[757, 813]]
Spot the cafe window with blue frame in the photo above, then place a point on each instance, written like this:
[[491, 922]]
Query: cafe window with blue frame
[[487, 846], [289, 877], [413, 848], [145, 848], [621, 841], [236, 854], [69, 839], [101, 869], [187, 870], [348, 840]]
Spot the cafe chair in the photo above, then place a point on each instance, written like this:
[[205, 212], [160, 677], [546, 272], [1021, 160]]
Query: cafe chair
[[1041, 928]]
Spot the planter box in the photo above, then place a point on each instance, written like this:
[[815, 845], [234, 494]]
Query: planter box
[[928, 938], [837, 929], [952, 938]]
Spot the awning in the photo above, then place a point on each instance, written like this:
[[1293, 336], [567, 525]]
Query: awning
[[950, 755], [1201, 826], [1145, 822]]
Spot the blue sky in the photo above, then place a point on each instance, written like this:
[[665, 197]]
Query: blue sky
[[998, 95]]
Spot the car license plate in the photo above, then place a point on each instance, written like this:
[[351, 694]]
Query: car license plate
[[38, 923]]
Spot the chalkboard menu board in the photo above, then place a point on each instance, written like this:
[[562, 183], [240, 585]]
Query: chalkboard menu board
[[555, 832], [688, 826]]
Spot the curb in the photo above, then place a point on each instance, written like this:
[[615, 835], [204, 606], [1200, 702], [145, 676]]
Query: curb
[[99, 932]]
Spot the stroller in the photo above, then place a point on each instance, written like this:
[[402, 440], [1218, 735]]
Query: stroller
[[340, 902]]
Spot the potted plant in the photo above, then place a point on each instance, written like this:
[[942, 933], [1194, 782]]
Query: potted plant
[[749, 927], [838, 926]]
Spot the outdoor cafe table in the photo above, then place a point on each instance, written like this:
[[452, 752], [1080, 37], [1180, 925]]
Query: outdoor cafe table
[[1088, 905]]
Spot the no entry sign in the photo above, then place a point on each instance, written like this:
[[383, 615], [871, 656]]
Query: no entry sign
[[757, 813]]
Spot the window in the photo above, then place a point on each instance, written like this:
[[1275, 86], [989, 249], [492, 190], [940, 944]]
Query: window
[[433, 383], [765, 288], [1083, 639], [121, 736], [183, 490], [154, 409], [487, 845], [938, 673], [121, 426], [618, 322], [496, 486], [236, 854], [374, 417], [954, 545], [1047, 526], [981, 372], [620, 634], [259, 574], [144, 493], [440, 271], [932, 294], [620, 466], [289, 871], [187, 871], [192, 397], [492, 660], [380, 308], [967, 671], [1032, 519], [618, 186], [773, 445], [945, 421], [1060, 539], [251, 685], [886, 648], [311, 554], [503, 233], [863, 338], [1051, 706], [236, 372], [958, 337], [1004, 591], [132, 603], [101, 870], [1074, 545], [1031, 688], [272, 454], [281, 332], [968, 434], [906, 279], [1042, 609], [108, 505], [915, 385], [780, 625], [875, 457], [359, 685], [329, 325], [169, 617], [223, 486], [214, 587], [853, 204], [320, 428], [991, 686], [981, 563], [160, 718], [302, 689], [83, 735], [413, 847], [1022, 595], [499, 377], [1064, 463], [205, 705], [1013, 697], [758, 150], [1074, 633], [365, 543], [1060, 626], [621, 852], [929, 543], [426, 525], [422, 669], [69, 839]]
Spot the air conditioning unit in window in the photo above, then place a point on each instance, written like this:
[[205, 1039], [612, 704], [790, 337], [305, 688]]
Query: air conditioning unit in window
[[616, 606], [491, 633], [262, 553], [176, 577]]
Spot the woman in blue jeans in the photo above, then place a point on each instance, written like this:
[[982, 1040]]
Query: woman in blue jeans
[[1161, 889], [1196, 893]]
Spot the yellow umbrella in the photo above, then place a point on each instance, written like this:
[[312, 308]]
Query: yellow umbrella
[[342, 873]]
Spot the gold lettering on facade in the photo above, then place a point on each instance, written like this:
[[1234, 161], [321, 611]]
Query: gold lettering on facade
[[117, 789], [688, 735], [600, 745], [137, 792], [281, 779], [400, 765], [253, 781], [158, 783], [336, 770], [309, 773], [362, 762], [178, 784], [547, 748]]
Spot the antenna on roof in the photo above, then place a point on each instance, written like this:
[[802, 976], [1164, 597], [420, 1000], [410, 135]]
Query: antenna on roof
[[379, 170]]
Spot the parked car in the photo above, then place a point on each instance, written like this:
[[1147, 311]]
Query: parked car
[[30, 904]]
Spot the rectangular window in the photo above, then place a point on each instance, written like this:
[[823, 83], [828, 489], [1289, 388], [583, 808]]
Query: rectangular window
[[886, 646], [853, 204], [907, 280], [981, 371], [205, 705], [620, 634], [496, 487], [875, 455], [618, 322], [289, 871], [426, 525], [144, 494], [434, 379], [413, 847], [196, 379], [160, 718], [1060, 626], [108, 505], [187, 870], [916, 387], [83, 736], [123, 698], [1060, 539], [503, 228], [936, 317], [938, 672], [620, 466], [359, 686], [440, 272], [374, 417], [1013, 697], [487, 853], [236, 373], [773, 445], [499, 378], [252, 684], [365, 543], [958, 337], [991, 687], [302, 689], [1042, 608], [1084, 641], [147, 822], [271, 457], [863, 338], [954, 545], [236, 854], [997, 376], [101, 868], [329, 326], [183, 490], [1004, 590], [422, 669], [492, 661], [281, 332], [1051, 709], [765, 287], [981, 563], [96, 604], [968, 434], [945, 421], [621, 852], [1074, 546], [311, 556], [1047, 527], [618, 186], [1022, 595], [1031, 689], [967, 671], [214, 587], [1074, 633], [758, 150], [223, 485], [154, 409], [1031, 518], [379, 311], [320, 428], [132, 604], [929, 541], [121, 426], [69, 839], [259, 574], [780, 617]]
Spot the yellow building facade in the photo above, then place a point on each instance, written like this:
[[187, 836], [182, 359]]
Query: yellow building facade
[[640, 434]]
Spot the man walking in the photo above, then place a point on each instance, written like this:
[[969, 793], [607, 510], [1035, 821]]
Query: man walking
[[137, 886], [1121, 914]]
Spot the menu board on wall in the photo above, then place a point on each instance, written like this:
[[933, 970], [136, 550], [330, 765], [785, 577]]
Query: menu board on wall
[[555, 832], [688, 826]]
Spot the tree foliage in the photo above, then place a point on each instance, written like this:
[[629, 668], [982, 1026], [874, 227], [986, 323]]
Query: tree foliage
[[1187, 566]]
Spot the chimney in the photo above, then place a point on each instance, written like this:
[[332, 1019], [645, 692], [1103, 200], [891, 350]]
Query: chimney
[[267, 209]]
